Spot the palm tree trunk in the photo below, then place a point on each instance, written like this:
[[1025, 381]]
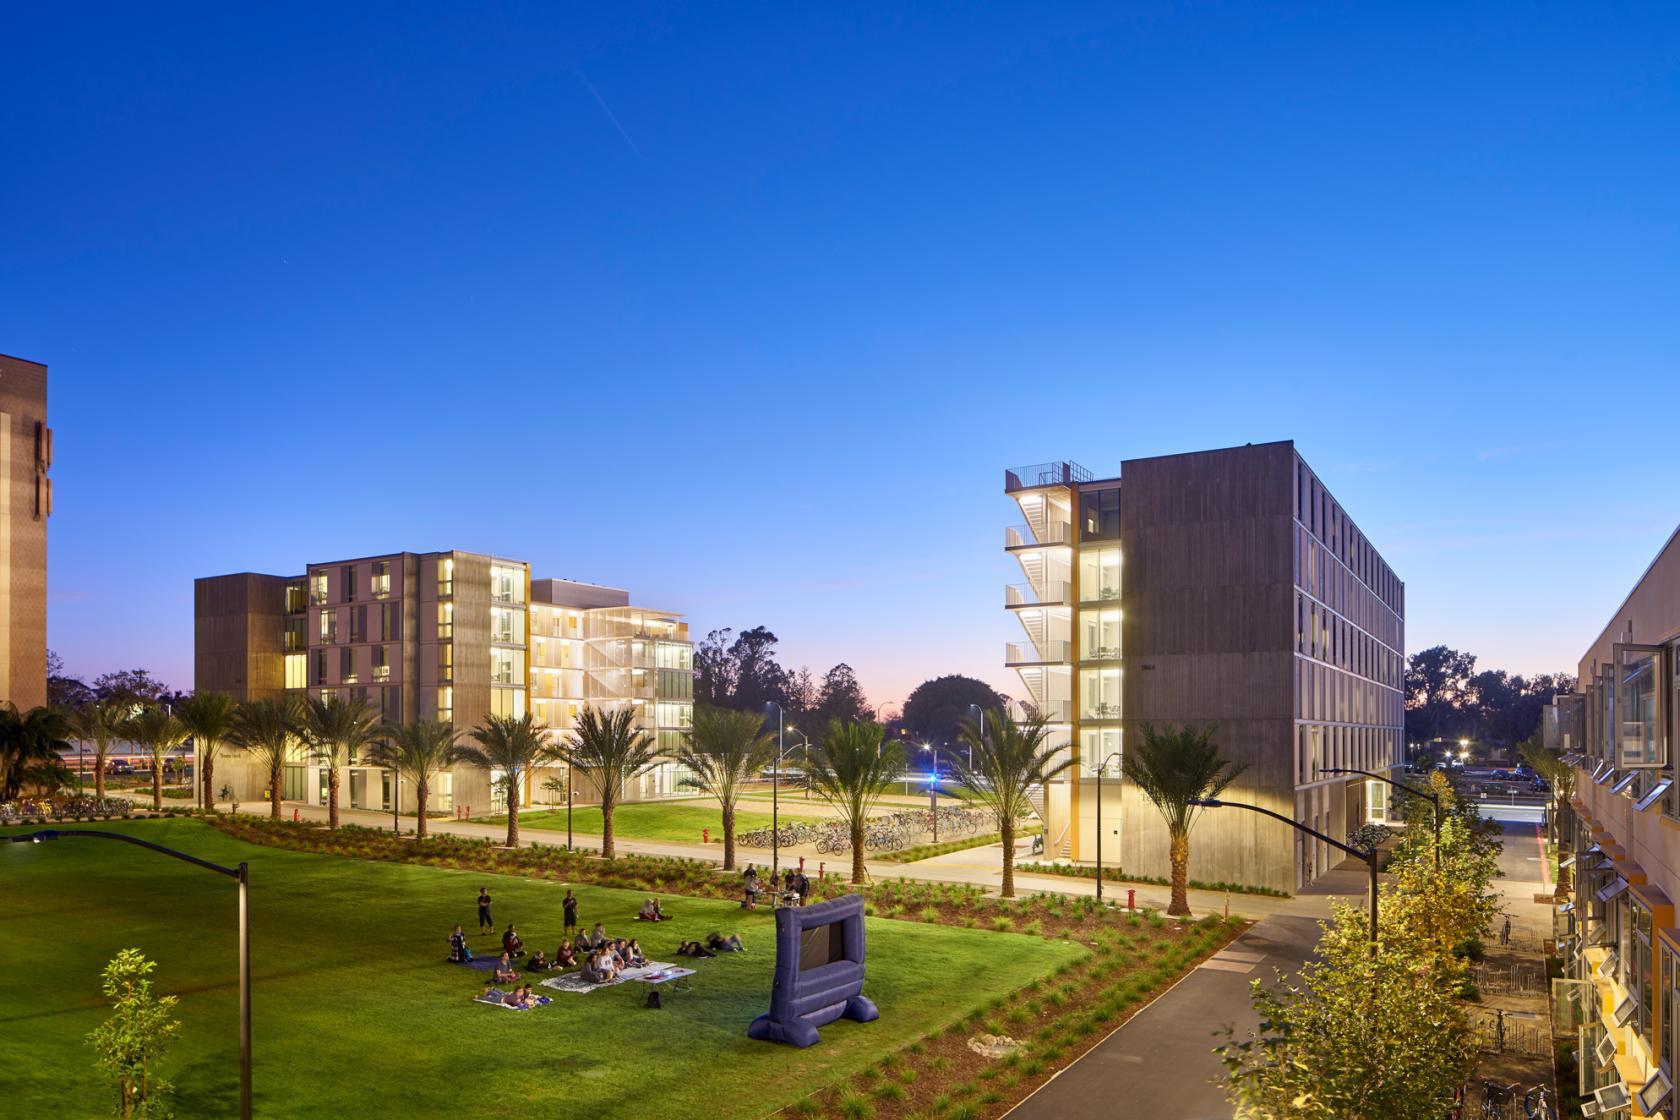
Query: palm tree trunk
[[857, 851], [209, 783], [1180, 857], [1008, 833], [513, 821], [422, 793], [157, 783], [332, 797], [729, 836], [99, 773], [274, 791], [607, 807]]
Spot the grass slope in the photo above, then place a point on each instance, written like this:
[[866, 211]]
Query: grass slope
[[649, 820], [356, 1015]]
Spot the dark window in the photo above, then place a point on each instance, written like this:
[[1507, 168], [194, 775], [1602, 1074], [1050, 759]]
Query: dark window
[[1099, 511], [349, 581], [390, 624]]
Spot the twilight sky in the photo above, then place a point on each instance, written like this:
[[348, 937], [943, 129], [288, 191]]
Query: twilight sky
[[746, 307]]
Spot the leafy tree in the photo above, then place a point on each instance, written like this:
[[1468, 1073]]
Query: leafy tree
[[935, 709], [156, 732], [1559, 775], [609, 745], [132, 1040], [802, 699], [269, 729], [130, 688], [513, 745], [841, 699], [715, 670], [1009, 759], [99, 723], [850, 770], [419, 751], [339, 730], [725, 749], [63, 690], [1357, 1035], [740, 674], [1175, 767], [30, 749], [209, 719]]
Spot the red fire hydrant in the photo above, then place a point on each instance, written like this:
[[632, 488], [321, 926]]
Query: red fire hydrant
[[1131, 899], [705, 836]]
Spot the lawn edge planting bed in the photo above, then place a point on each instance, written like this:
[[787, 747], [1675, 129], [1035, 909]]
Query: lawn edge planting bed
[[1054, 1023], [1115, 875]]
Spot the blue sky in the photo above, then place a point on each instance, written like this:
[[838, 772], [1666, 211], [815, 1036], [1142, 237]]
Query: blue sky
[[747, 307]]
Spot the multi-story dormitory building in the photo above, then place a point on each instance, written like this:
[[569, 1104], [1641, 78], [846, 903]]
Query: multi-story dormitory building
[[452, 636], [1224, 587], [1616, 930]]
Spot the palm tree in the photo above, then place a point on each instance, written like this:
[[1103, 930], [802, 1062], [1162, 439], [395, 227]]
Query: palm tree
[[1007, 760], [512, 745], [208, 718], [609, 745], [339, 730], [268, 729], [850, 770], [30, 746], [418, 751], [725, 748], [158, 732], [1559, 775], [98, 722], [1176, 767]]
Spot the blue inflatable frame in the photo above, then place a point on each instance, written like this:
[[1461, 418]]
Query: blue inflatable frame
[[803, 999]]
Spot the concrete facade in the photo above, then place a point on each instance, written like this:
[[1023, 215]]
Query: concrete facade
[[26, 496]]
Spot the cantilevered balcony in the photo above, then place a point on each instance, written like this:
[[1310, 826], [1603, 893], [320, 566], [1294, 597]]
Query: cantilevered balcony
[[1052, 535], [1031, 653], [1018, 595], [1039, 475]]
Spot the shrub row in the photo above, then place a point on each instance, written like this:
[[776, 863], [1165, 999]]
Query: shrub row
[[1116, 875]]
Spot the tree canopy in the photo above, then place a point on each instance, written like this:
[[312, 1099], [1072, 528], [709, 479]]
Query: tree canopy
[[936, 708], [1447, 698]]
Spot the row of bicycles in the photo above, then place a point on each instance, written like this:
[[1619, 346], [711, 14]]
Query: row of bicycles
[[888, 833], [1505, 1102], [57, 808]]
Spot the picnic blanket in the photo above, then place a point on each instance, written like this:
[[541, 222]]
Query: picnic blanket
[[483, 964], [574, 981], [495, 1000]]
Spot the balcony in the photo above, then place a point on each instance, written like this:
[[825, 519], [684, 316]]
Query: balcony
[[1029, 653], [1025, 536], [1038, 475], [1053, 711], [1017, 595]]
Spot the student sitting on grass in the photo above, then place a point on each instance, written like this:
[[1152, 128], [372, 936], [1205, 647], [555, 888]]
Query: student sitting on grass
[[598, 970], [537, 963], [565, 956], [504, 970], [511, 943], [651, 912], [458, 951], [527, 999], [730, 944], [597, 937], [633, 952], [694, 949]]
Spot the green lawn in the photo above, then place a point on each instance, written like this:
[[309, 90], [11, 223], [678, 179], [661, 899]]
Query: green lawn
[[357, 1015], [678, 822]]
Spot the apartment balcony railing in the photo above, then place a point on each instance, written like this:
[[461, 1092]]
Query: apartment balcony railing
[[1029, 653], [1053, 711], [1025, 536], [1026, 595], [1063, 473]]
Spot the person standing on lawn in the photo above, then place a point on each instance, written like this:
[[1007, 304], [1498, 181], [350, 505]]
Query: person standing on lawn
[[569, 905], [485, 921]]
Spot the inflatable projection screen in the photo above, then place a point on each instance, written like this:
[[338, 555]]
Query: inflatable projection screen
[[819, 972]]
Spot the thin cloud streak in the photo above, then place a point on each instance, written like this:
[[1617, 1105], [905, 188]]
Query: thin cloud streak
[[605, 108]]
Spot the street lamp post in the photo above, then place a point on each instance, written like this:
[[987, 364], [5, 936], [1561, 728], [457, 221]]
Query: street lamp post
[[1369, 855], [1433, 798], [241, 875], [775, 795], [1101, 766], [933, 788], [980, 722], [396, 802], [568, 806], [805, 749]]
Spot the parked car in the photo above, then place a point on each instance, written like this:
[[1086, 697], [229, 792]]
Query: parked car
[[1541, 785], [119, 766]]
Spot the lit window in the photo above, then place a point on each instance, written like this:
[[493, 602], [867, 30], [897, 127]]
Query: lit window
[[446, 621], [446, 576], [297, 670]]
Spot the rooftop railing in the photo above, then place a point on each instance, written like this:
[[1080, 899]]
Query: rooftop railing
[[1062, 473]]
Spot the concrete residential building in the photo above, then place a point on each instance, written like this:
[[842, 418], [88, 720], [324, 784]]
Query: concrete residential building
[[1225, 587], [26, 492], [451, 636], [1617, 932]]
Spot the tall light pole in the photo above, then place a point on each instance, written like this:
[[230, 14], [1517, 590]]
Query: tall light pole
[[1433, 798], [933, 788], [241, 875], [775, 794], [1369, 855], [805, 741], [979, 722], [1101, 766]]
